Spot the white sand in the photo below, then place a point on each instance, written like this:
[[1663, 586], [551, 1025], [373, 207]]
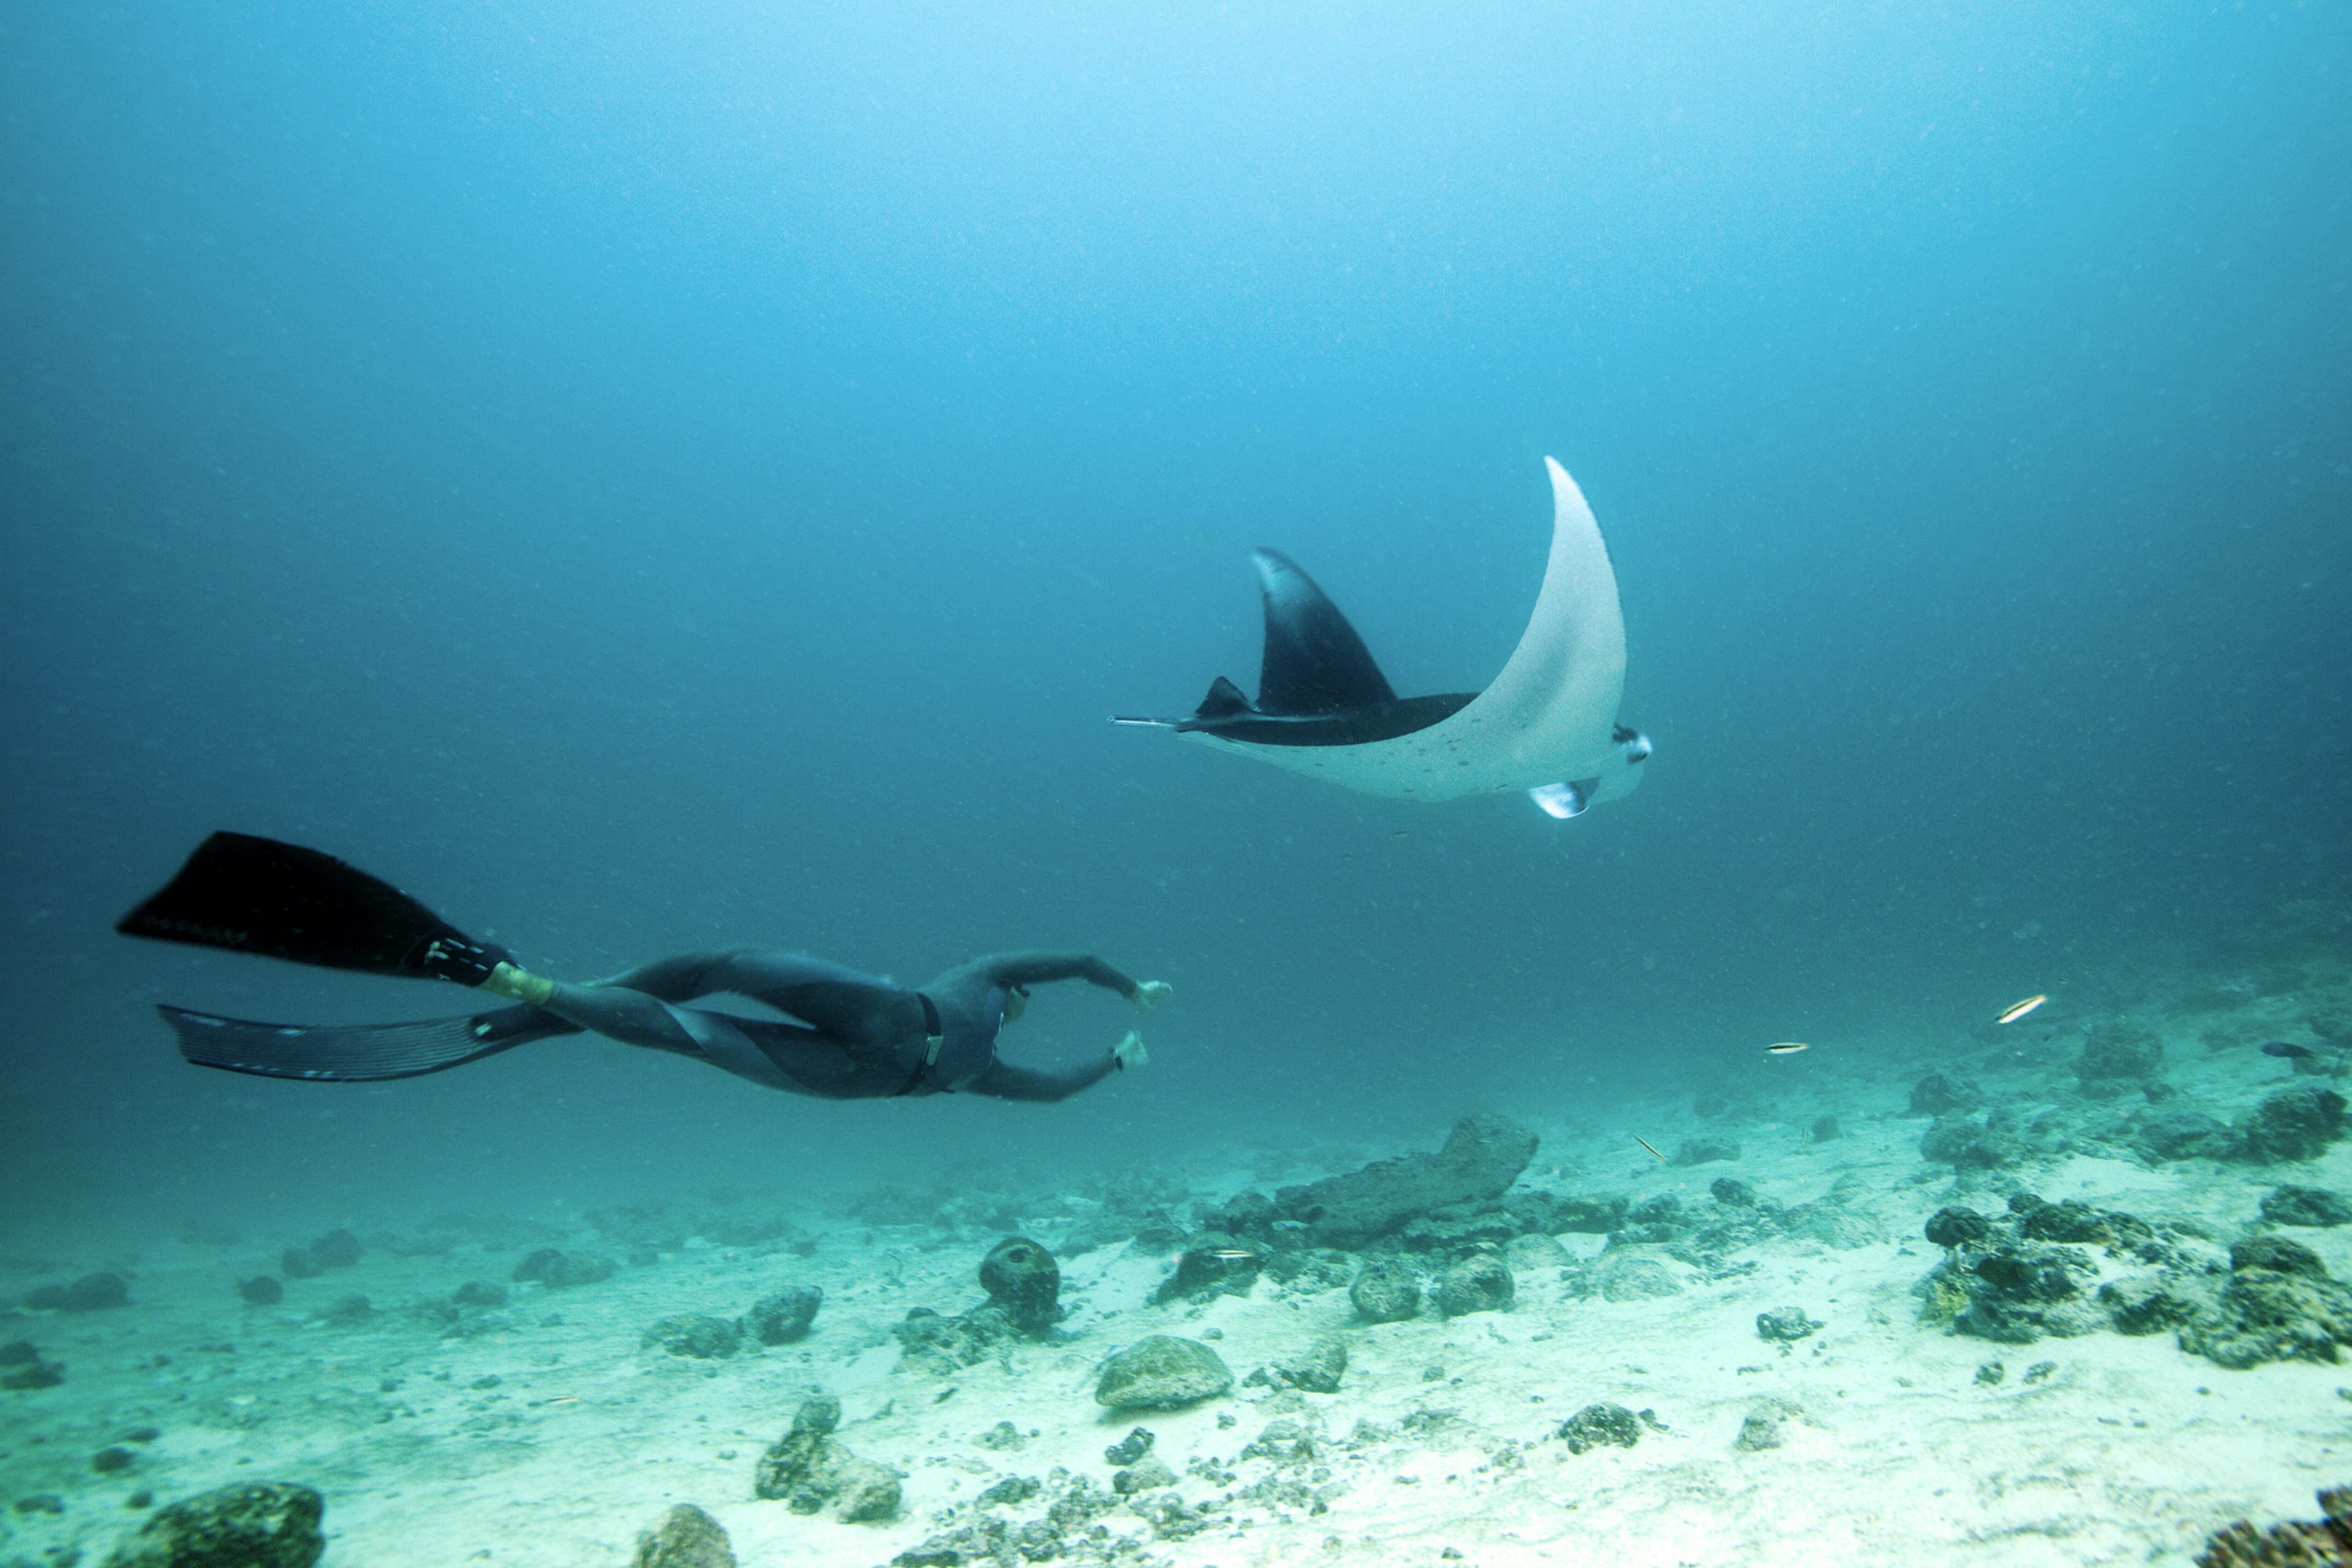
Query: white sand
[[2123, 1449]]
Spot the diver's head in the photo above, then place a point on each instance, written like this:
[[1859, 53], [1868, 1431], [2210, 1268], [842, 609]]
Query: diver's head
[[1016, 1002]]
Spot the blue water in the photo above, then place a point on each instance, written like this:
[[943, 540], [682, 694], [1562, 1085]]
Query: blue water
[[643, 479]]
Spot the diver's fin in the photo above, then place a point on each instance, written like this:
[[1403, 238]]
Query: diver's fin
[[281, 901], [363, 1053], [1314, 662]]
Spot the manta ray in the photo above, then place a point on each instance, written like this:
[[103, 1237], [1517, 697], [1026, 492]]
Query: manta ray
[[1546, 726]]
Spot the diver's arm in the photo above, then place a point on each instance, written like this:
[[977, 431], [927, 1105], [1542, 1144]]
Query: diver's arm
[[1003, 1080], [1040, 968]]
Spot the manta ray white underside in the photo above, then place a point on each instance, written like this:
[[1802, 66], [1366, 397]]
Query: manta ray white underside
[[1546, 725]]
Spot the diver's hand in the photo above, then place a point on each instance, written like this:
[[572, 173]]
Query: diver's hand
[[519, 985], [1129, 1053], [1150, 995]]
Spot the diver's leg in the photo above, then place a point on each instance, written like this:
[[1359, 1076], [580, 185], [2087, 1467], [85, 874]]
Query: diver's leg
[[620, 1013], [837, 1001], [678, 979]]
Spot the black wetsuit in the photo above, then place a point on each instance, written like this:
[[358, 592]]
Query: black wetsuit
[[857, 1036]]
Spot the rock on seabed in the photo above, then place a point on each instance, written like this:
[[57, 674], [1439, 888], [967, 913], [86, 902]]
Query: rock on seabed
[[254, 1524], [1162, 1373]]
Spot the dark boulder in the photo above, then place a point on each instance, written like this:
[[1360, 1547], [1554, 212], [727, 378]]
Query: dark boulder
[[1706, 1150], [1243, 1214], [1482, 1157], [1478, 1283], [2016, 1294], [1386, 1290], [1021, 1277], [1598, 1426], [253, 1524], [686, 1538], [2269, 1314], [2182, 1135], [2296, 1123], [2314, 1207], [1549, 1214], [479, 1293], [23, 1367], [338, 1248], [1211, 1269], [806, 1469], [348, 1311], [1457, 1226], [1940, 1094], [2278, 1255], [261, 1290], [944, 1346], [1317, 1368], [1965, 1143], [1162, 1373], [784, 1316], [2069, 1221], [90, 1293], [694, 1335], [2148, 1306], [2117, 1054], [1785, 1326], [1958, 1227], [560, 1270]]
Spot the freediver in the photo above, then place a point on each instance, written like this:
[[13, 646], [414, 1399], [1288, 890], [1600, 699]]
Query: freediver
[[848, 1037]]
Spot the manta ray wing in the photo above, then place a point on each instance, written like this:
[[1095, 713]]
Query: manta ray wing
[[1314, 662], [1551, 715]]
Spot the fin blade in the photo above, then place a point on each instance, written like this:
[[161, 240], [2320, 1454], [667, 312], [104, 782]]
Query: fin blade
[[1314, 662], [364, 1052], [257, 895]]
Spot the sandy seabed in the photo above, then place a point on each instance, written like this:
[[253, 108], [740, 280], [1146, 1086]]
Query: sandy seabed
[[549, 1432]]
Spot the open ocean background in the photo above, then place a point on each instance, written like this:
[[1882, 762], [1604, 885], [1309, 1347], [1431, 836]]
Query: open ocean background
[[644, 478]]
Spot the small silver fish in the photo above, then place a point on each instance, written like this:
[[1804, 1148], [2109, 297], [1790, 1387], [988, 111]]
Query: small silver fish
[[2016, 1010], [1786, 1048], [1231, 1254]]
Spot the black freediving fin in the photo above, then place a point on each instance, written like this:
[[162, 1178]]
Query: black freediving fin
[[1314, 662], [362, 1053], [281, 901]]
